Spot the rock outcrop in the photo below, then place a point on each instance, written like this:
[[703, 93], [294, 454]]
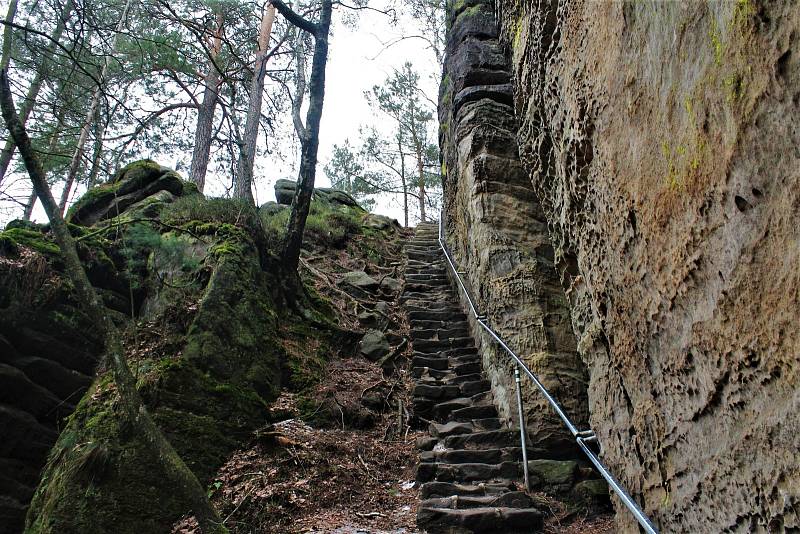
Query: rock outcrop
[[497, 230], [659, 139], [200, 299]]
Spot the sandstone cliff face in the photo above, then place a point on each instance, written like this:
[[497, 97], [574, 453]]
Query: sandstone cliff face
[[498, 233], [662, 141]]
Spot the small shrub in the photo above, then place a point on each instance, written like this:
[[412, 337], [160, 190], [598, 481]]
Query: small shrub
[[212, 210]]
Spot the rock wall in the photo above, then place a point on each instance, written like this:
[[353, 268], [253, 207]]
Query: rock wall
[[661, 139], [497, 231]]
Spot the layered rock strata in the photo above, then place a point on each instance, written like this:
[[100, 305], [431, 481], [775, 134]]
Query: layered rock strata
[[661, 141], [497, 231]]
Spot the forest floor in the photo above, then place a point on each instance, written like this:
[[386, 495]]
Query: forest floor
[[345, 462], [340, 458], [304, 479]]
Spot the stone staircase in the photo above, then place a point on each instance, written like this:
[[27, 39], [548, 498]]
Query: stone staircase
[[470, 465]]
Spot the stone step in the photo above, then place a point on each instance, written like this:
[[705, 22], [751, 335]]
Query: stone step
[[433, 315], [431, 490], [433, 295], [438, 333], [480, 411], [484, 440], [426, 266], [423, 276], [511, 499], [465, 456], [446, 376], [425, 286], [467, 368], [422, 256], [445, 306], [467, 472], [445, 353], [480, 520], [433, 250], [436, 392], [430, 325], [448, 429], [423, 345], [475, 386], [423, 361]]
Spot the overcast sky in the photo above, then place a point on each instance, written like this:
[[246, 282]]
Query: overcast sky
[[358, 60]]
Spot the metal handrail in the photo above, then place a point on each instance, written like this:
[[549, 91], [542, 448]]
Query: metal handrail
[[582, 437]]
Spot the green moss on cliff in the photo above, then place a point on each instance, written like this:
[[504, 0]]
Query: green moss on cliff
[[209, 357], [12, 239]]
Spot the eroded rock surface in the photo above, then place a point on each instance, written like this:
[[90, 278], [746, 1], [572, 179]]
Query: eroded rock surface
[[498, 233], [662, 142]]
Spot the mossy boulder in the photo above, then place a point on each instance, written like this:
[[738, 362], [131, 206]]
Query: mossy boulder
[[214, 362], [131, 185], [285, 190], [553, 473]]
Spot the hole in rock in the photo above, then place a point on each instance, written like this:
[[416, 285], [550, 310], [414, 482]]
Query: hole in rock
[[741, 204], [781, 66], [632, 220]]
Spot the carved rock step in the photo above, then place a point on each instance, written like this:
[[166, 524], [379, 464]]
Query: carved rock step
[[454, 356], [438, 324], [427, 274], [477, 520], [426, 266], [431, 295], [467, 456], [425, 285], [484, 440], [461, 389], [449, 376], [431, 490], [511, 499], [422, 256], [460, 352], [466, 472], [434, 315], [414, 248], [440, 305], [439, 333], [462, 427], [426, 345]]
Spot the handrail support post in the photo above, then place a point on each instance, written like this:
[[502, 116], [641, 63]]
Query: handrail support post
[[523, 439]]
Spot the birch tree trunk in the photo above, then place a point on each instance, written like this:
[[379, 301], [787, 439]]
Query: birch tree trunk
[[175, 470], [205, 116], [28, 102], [77, 155], [403, 180], [243, 188]]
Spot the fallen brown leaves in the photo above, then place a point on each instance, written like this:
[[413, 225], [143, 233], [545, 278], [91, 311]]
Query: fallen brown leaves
[[302, 479]]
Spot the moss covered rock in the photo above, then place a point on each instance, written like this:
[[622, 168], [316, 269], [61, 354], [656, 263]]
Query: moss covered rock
[[132, 184]]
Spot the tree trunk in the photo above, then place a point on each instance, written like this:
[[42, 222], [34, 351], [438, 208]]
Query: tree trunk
[[205, 116], [243, 188], [77, 156], [421, 186], [12, 12], [36, 84], [26, 215], [310, 140], [174, 468], [97, 155], [51, 148], [403, 180]]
